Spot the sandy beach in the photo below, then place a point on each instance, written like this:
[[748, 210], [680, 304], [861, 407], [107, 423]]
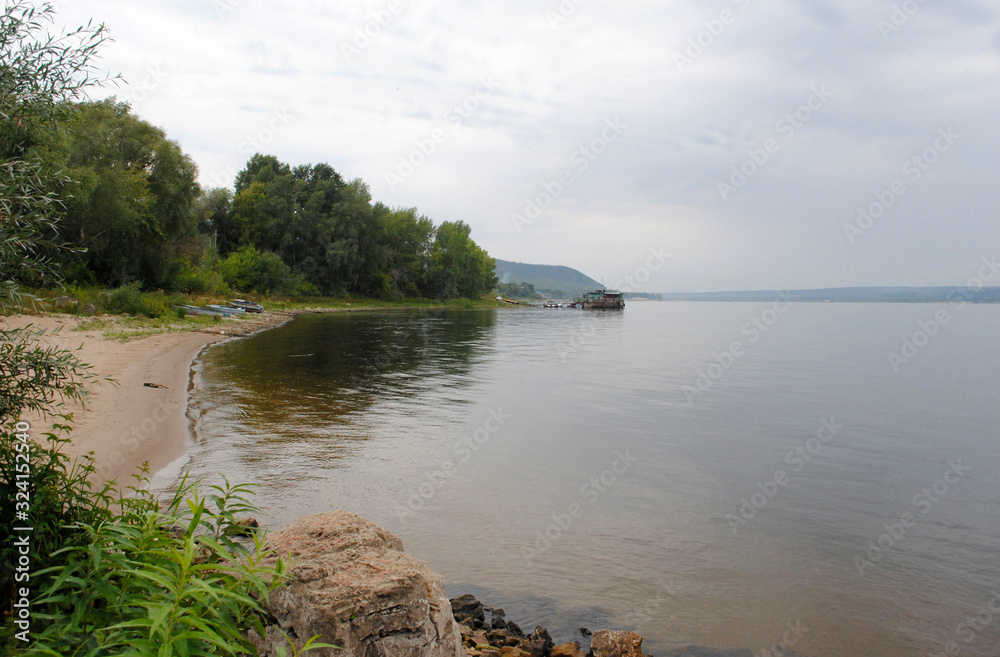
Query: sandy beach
[[125, 422]]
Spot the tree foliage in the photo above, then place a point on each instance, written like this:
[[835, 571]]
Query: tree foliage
[[126, 199], [131, 197], [40, 76], [329, 232]]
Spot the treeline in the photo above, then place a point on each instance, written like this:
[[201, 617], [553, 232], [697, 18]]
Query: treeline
[[134, 212], [518, 290]]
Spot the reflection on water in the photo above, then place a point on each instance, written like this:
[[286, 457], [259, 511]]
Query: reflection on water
[[488, 440], [305, 398]]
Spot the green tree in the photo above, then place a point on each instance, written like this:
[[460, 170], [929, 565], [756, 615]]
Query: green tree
[[132, 196], [39, 75], [406, 248], [458, 266]]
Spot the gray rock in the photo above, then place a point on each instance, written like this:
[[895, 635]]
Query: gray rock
[[466, 606], [351, 583]]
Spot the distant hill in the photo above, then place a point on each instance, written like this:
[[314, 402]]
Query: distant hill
[[853, 294], [549, 280]]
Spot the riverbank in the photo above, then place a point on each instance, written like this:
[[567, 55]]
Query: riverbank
[[135, 411], [126, 422]]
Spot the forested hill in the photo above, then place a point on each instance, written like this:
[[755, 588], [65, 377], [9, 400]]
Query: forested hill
[[548, 280]]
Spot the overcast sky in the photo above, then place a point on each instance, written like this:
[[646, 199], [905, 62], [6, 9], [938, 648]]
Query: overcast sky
[[593, 134]]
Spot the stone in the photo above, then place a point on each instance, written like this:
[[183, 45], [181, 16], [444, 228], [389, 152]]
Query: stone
[[534, 647], [608, 643], [351, 583], [514, 628], [501, 637], [568, 650], [466, 606], [542, 634], [512, 651]]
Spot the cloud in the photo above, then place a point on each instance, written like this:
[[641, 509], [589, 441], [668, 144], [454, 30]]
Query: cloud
[[560, 70]]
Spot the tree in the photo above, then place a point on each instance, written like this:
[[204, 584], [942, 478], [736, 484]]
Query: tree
[[40, 75], [132, 196], [458, 266], [406, 247]]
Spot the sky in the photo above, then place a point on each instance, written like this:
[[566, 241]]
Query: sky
[[665, 146]]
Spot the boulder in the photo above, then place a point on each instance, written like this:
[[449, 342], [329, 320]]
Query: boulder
[[351, 583], [607, 643]]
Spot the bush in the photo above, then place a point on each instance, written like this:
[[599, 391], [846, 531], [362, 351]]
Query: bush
[[126, 299], [155, 581], [125, 572], [200, 280], [249, 270]]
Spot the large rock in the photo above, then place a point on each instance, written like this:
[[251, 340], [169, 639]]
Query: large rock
[[607, 643], [351, 583]]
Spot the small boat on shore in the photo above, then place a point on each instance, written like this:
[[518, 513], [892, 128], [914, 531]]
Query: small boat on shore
[[203, 310], [232, 310], [248, 306]]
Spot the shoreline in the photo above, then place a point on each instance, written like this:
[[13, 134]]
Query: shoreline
[[125, 422]]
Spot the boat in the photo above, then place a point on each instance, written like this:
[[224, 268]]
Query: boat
[[248, 306], [601, 299], [550, 304], [232, 310], [202, 310]]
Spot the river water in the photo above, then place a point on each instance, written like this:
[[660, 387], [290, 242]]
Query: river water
[[735, 475]]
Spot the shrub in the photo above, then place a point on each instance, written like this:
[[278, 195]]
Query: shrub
[[252, 271], [126, 299], [200, 280], [158, 581], [127, 573]]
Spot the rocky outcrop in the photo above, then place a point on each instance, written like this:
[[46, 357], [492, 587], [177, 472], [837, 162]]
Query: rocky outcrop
[[351, 583]]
